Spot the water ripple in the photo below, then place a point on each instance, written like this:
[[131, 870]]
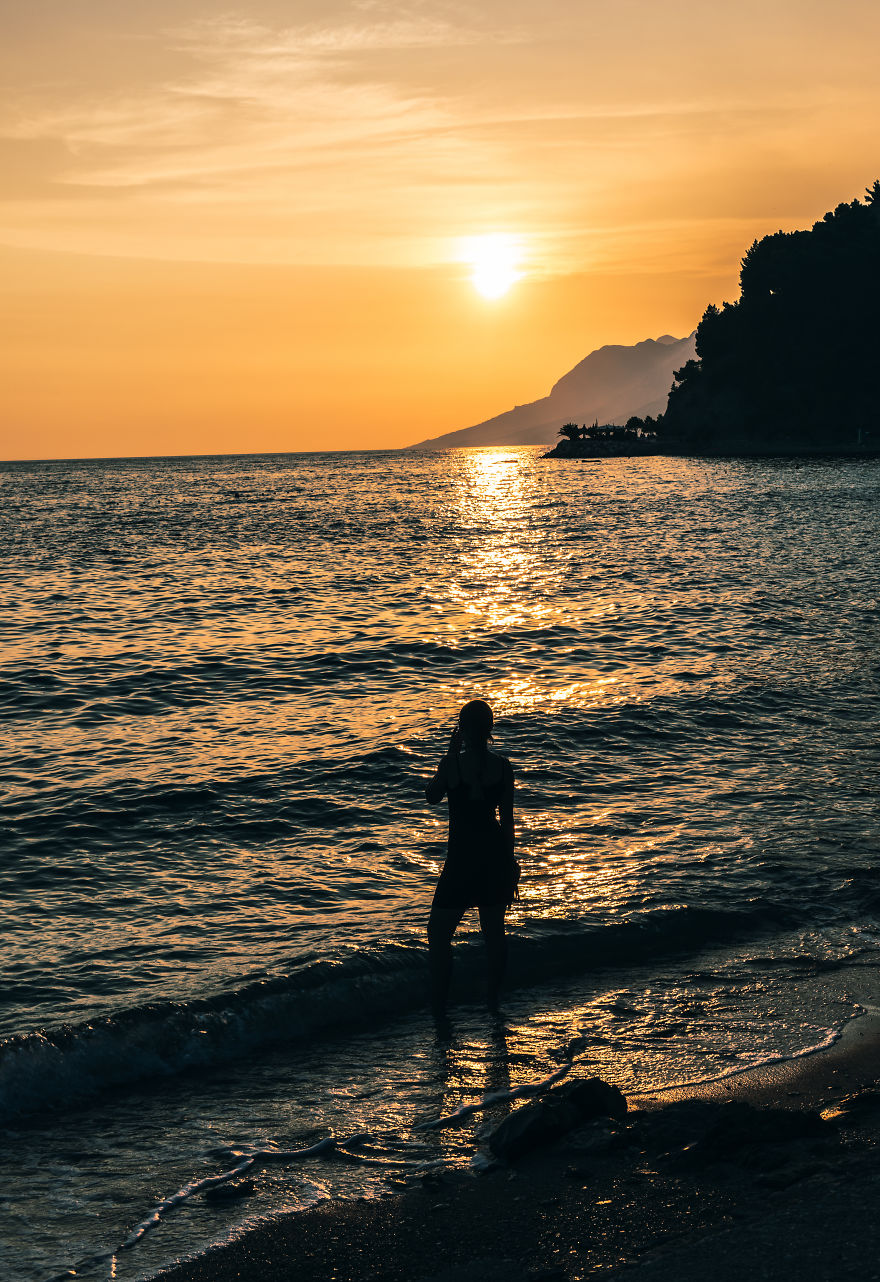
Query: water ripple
[[224, 680]]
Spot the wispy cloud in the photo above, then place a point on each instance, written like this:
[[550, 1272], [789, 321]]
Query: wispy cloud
[[318, 127], [381, 29], [382, 132], [254, 98]]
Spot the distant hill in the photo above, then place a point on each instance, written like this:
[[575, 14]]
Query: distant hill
[[610, 385]]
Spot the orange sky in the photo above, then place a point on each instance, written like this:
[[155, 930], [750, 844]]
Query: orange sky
[[244, 231]]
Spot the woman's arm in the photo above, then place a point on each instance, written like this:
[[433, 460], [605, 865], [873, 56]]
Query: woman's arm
[[439, 785], [436, 789], [505, 809]]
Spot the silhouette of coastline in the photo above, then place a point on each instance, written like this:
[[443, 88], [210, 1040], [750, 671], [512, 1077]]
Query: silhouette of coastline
[[789, 368], [608, 440]]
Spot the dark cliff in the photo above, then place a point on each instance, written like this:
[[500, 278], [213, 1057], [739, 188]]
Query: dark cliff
[[792, 364]]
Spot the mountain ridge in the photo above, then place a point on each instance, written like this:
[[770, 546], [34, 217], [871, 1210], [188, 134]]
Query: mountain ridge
[[611, 384]]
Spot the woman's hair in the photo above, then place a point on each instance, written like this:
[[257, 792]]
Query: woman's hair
[[475, 721]]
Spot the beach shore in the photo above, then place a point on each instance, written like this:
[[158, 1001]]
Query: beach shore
[[697, 1180]]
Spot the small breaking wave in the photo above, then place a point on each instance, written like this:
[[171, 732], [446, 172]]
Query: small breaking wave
[[47, 1069], [830, 1038], [53, 1068]]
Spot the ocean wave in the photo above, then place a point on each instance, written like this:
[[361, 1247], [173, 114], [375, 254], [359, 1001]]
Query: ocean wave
[[545, 742], [335, 793], [56, 1068], [150, 684]]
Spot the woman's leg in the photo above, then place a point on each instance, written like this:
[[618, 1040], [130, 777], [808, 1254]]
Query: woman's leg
[[492, 926], [442, 925]]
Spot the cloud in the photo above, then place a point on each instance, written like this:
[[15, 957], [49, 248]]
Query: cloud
[[383, 133], [256, 99], [325, 113], [396, 29]]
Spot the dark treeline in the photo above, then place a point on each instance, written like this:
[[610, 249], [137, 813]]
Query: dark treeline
[[636, 429], [639, 436], [793, 363]]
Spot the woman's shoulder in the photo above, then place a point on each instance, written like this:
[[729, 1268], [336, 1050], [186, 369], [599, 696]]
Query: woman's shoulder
[[501, 763]]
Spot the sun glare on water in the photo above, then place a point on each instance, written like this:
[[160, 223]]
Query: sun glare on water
[[495, 259]]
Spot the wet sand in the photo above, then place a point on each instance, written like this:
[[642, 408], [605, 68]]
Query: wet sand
[[691, 1185]]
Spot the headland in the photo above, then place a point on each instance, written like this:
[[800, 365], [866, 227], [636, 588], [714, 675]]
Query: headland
[[785, 370]]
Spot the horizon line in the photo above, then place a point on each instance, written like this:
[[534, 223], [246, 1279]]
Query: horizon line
[[387, 449]]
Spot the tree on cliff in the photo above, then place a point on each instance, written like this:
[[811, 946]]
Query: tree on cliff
[[793, 361]]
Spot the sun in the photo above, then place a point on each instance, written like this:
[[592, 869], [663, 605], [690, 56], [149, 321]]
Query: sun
[[494, 259]]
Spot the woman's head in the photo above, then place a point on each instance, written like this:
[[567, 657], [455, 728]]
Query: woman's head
[[475, 722]]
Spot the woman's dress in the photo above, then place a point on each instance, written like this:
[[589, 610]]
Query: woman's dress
[[479, 868]]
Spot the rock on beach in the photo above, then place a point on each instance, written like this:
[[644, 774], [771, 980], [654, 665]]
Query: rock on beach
[[544, 1120]]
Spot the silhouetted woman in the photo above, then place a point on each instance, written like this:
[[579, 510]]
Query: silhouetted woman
[[480, 869]]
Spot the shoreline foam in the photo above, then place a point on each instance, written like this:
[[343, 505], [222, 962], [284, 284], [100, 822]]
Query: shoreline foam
[[572, 1210]]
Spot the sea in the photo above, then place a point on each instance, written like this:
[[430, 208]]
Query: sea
[[224, 684]]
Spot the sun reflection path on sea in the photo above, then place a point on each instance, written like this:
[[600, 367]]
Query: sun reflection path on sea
[[494, 504], [511, 577], [514, 577]]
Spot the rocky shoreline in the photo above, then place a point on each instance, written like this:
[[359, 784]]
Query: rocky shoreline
[[601, 450]]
